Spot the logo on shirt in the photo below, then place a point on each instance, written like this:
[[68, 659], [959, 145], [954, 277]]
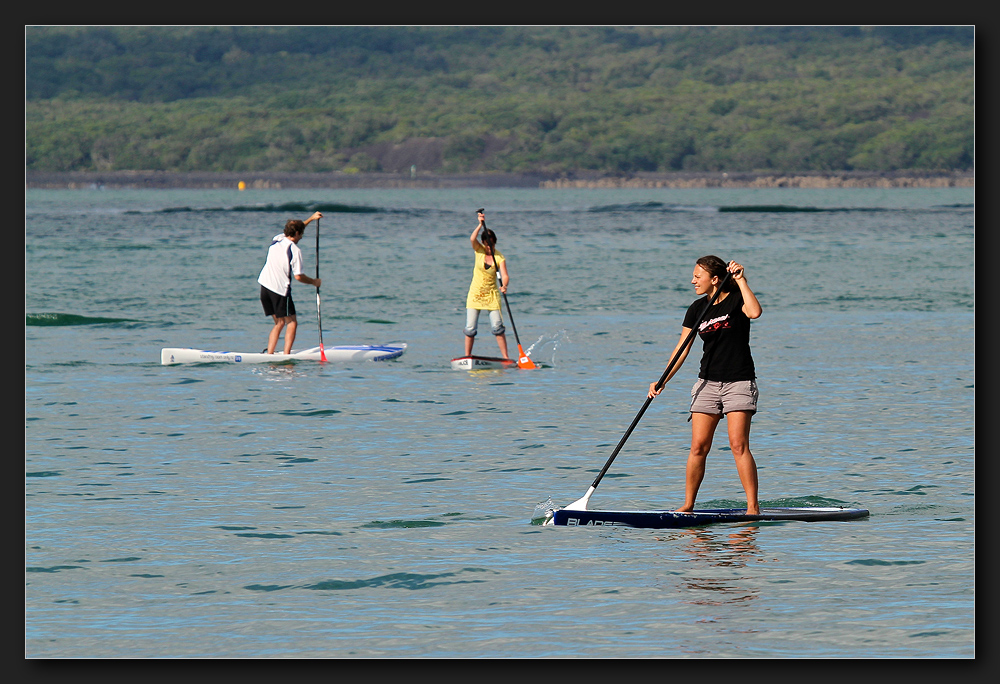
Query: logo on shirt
[[714, 324]]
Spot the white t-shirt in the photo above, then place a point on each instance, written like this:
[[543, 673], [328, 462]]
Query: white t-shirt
[[275, 274]]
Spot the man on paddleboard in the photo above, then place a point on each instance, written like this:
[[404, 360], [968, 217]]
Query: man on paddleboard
[[284, 260], [726, 382]]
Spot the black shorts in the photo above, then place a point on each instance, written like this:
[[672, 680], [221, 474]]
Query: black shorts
[[275, 304]]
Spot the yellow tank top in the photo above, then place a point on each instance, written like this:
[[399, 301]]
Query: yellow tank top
[[484, 293]]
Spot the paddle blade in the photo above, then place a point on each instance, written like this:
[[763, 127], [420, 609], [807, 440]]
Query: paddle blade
[[581, 503], [522, 359], [319, 315]]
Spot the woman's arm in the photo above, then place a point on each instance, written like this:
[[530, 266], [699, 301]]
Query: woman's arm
[[653, 390], [472, 238], [751, 307], [504, 278]]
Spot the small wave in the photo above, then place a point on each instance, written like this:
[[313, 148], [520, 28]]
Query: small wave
[[306, 207], [284, 207], [782, 208], [810, 501], [651, 205], [47, 319], [402, 524], [397, 580], [309, 413]]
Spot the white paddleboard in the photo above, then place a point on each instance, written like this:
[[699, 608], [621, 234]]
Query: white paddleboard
[[481, 363], [170, 356]]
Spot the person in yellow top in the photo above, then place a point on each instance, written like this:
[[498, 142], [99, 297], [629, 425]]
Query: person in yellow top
[[484, 293]]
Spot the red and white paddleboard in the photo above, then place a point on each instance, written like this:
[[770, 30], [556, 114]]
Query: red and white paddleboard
[[481, 363]]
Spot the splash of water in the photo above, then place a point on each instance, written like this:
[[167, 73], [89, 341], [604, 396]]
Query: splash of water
[[542, 510], [546, 341]]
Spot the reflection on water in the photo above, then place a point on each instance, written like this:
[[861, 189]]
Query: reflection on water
[[733, 549], [714, 549]]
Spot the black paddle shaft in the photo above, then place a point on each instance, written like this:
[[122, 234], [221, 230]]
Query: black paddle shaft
[[319, 313], [509, 314], [511, 317], [663, 379]]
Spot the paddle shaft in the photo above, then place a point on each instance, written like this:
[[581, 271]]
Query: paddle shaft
[[509, 314], [523, 360], [319, 312], [662, 380], [511, 317]]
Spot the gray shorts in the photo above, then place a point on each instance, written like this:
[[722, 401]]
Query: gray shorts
[[709, 396]]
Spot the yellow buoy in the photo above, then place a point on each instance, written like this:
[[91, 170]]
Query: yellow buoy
[[242, 186]]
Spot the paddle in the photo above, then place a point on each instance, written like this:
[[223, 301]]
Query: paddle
[[581, 503], [522, 359], [319, 312]]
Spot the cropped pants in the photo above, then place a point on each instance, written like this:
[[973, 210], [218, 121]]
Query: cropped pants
[[472, 322]]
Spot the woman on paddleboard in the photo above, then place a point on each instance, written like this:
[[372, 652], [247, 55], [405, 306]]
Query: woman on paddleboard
[[726, 384], [484, 293]]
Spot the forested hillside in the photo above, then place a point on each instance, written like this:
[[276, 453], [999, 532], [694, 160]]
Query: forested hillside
[[511, 99]]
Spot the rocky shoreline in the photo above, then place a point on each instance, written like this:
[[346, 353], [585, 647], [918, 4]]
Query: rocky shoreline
[[752, 180], [337, 180]]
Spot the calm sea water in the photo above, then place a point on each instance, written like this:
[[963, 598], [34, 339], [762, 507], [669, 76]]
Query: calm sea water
[[385, 509]]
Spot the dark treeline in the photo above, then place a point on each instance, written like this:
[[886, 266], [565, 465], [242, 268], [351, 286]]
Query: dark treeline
[[511, 99]]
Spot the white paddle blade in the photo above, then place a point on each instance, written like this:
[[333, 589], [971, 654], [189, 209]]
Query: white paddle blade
[[581, 503]]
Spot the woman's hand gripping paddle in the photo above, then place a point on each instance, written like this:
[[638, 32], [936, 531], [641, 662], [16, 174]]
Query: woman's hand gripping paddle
[[581, 503], [522, 359], [319, 312]]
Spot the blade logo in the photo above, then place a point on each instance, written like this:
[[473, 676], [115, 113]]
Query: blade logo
[[575, 522]]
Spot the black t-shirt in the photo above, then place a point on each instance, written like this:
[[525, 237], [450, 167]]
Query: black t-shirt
[[725, 330]]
